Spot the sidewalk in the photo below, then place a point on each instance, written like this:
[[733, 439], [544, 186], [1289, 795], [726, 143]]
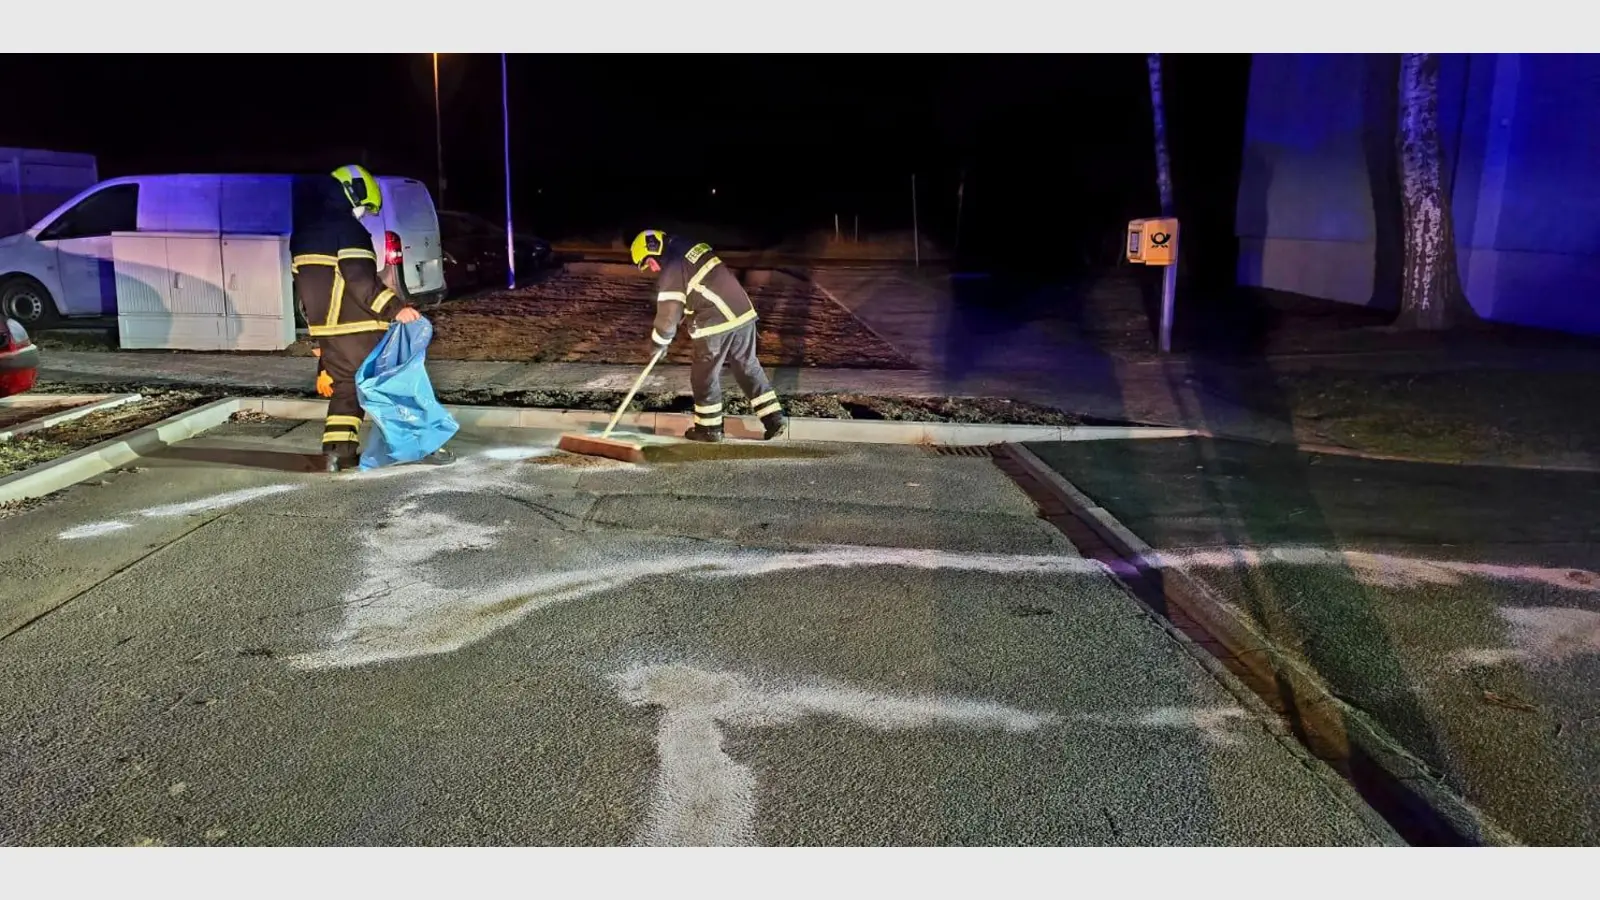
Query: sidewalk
[[1261, 403], [1274, 367], [940, 319], [1314, 376], [1121, 392]]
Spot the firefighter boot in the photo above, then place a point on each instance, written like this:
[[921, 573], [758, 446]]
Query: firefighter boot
[[775, 424], [439, 457], [335, 460], [710, 434]]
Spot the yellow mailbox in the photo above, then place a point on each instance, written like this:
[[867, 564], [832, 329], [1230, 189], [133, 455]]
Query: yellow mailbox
[[1153, 242]]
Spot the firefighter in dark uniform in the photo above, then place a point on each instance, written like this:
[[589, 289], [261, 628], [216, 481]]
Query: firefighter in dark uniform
[[346, 306], [692, 282]]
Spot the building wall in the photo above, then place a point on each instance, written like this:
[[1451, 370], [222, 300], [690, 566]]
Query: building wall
[[1521, 137]]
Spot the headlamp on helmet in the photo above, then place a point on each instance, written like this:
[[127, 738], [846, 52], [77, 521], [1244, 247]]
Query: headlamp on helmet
[[646, 246], [361, 189]]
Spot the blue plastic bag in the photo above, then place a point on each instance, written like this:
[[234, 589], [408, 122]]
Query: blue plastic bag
[[409, 422]]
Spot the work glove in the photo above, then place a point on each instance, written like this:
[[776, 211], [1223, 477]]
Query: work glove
[[654, 349], [324, 384]]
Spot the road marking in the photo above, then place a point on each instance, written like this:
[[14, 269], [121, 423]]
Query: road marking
[[204, 504], [1212, 722], [703, 797], [398, 612], [401, 609], [218, 501], [849, 557], [93, 529], [1374, 569], [466, 476], [1540, 636]]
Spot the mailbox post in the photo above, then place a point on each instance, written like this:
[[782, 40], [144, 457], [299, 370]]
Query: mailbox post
[[1154, 242]]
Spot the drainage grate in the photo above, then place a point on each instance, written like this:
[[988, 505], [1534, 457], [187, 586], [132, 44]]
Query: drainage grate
[[948, 450]]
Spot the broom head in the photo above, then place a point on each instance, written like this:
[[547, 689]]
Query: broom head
[[598, 446]]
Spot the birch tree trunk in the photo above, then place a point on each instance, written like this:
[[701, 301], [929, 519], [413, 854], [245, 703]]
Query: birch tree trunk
[[1169, 274], [1430, 296], [1163, 162]]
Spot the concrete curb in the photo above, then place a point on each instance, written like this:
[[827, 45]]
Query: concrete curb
[[120, 451], [92, 403], [1325, 720], [114, 453], [957, 434]]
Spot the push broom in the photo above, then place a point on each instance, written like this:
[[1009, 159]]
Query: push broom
[[605, 445]]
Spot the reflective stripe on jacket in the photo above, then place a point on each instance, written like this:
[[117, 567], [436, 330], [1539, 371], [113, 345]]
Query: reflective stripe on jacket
[[335, 271], [694, 282]]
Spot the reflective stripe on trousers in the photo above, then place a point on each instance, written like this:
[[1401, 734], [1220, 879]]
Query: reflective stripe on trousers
[[737, 348], [342, 354]]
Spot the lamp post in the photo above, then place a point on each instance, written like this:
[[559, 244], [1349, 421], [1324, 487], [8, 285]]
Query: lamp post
[[438, 131], [505, 113]]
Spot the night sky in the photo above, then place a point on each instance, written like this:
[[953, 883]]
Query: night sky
[[1056, 149]]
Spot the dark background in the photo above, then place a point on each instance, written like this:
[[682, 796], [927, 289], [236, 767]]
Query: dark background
[[1055, 151]]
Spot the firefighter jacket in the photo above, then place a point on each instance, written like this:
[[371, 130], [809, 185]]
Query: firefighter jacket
[[694, 283], [335, 271]]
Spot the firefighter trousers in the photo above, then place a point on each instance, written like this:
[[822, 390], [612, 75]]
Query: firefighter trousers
[[738, 349], [342, 355]]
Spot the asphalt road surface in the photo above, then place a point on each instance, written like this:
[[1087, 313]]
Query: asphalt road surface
[[1458, 606], [872, 646]]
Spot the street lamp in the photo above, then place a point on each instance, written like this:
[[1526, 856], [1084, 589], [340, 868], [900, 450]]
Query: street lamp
[[438, 132], [438, 136]]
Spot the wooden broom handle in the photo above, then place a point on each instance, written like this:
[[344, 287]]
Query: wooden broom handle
[[634, 390]]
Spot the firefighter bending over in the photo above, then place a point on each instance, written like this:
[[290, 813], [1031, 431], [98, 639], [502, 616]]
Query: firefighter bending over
[[692, 282], [346, 307]]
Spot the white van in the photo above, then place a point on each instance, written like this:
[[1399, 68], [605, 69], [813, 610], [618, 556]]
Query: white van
[[63, 266], [33, 182], [406, 237]]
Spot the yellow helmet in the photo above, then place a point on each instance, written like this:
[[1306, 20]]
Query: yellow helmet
[[648, 244], [360, 188]]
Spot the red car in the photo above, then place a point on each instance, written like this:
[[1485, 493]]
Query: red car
[[19, 360]]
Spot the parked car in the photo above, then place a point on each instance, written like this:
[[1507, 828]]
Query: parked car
[[19, 360], [63, 266], [475, 250]]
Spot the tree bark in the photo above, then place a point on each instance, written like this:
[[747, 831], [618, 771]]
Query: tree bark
[[1169, 274], [1163, 162], [1431, 296]]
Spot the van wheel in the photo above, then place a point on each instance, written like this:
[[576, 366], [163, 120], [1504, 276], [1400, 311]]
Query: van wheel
[[26, 300]]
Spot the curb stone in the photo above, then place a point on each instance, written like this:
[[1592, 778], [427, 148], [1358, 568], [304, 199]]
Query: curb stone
[[871, 431], [114, 453], [91, 403], [120, 451]]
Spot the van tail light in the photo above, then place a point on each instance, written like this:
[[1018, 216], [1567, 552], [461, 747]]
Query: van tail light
[[392, 254]]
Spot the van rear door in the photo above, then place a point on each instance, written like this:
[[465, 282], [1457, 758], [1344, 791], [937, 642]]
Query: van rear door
[[408, 212]]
